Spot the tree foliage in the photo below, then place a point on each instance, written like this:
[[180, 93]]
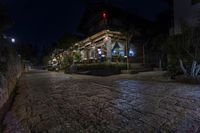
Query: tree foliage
[[185, 47], [5, 20], [45, 60], [27, 51], [77, 56], [66, 41]]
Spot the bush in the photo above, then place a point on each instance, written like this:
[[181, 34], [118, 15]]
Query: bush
[[89, 67], [173, 71], [77, 57], [173, 68], [100, 69], [45, 60], [66, 62], [188, 79]]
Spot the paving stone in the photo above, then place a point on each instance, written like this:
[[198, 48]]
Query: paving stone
[[49, 102]]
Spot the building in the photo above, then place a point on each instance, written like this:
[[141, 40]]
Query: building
[[103, 44], [110, 33]]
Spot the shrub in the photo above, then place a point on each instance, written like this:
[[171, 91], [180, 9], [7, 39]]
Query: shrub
[[77, 57], [173, 67], [111, 66], [103, 69], [66, 62]]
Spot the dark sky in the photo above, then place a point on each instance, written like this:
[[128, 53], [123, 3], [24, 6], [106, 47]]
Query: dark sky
[[44, 21]]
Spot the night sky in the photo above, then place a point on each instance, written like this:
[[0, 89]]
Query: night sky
[[44, 21]]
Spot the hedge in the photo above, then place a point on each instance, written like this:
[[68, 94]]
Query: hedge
[[90, 67]]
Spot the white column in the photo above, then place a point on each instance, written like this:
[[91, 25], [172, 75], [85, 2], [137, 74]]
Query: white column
[[109, 49]]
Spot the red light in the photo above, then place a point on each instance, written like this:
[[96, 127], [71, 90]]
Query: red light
[[104, 15]]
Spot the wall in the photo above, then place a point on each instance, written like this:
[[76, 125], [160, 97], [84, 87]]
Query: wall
[[10, 70]]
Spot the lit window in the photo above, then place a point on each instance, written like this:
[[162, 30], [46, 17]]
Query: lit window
[[121, 52], [114, 52], [131, 52], [99, 51], [117, 50]]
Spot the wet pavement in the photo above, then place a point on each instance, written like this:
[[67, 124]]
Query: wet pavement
[[49, 102]]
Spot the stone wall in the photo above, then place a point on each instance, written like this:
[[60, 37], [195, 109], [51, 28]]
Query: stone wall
[[10, 70]]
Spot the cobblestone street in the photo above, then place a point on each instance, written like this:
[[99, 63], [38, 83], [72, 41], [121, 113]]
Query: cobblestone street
[[49, 102]]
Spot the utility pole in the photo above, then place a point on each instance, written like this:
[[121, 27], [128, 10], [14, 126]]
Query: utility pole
[[128, 39], [144, 56], [127, 61]]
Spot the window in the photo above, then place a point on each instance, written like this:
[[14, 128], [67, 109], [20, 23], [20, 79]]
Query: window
[[195, 1], [99, 51], [131, 52], [117, 50]]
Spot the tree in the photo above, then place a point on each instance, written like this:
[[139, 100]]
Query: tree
[[77, 57], [185, 47], [27, 51], [159, 46], [45, 60], [5, 20], [66, 41], [68, 59], [129, 32], [160, 34]]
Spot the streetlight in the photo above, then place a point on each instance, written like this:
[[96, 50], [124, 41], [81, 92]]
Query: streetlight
[[13, 40]]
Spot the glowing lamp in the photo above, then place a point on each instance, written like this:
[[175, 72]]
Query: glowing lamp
[[104, 15], [13, 40], [54, 59], [99, 51], [106, 39]]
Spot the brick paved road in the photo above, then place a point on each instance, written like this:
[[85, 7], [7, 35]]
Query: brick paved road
[[56, 103]]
